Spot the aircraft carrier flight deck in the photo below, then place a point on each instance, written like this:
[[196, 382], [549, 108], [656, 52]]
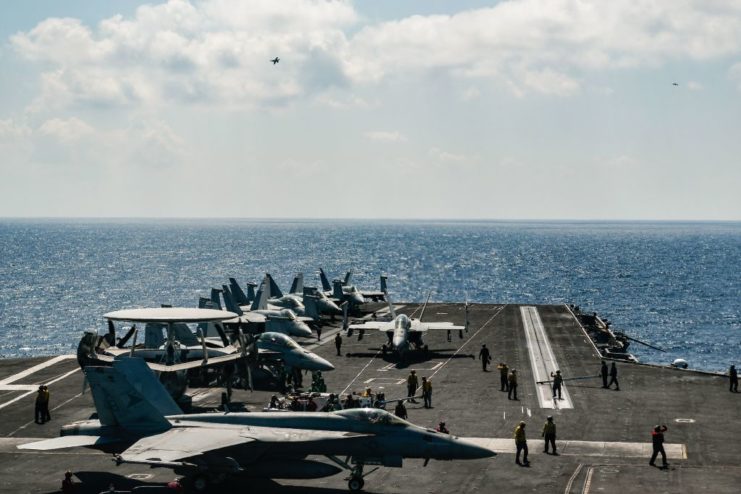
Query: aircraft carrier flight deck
[[603, 435]]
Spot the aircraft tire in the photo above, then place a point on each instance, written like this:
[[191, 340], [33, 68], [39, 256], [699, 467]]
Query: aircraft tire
[[200, 483], [355, 484]]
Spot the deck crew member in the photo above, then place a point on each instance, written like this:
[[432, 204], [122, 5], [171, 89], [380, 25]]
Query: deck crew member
[[521, 444], [613, 377], [338, 343], [557, 383], [441, 428], [484, 356], [427, 392], [604, 372], [733, 374], [41, 400], [549, 434], [503, 374], [412, 384], [318, 333], [512, 381], [657, 437], [400, 410], [68, 486]]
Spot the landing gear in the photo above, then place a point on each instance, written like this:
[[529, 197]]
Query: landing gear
[[356, 482]]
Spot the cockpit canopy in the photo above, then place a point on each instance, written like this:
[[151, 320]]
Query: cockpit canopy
[[372, 416], [403, 321], [288, 314], [278, 339]]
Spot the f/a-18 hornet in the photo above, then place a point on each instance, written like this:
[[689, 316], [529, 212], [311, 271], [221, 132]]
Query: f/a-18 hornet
[[403, 331], [137, 418]]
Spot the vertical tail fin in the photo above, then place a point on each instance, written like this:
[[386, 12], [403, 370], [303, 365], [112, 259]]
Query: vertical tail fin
[[348, 275], [384, 288], [231, 305], [237, 292], [273, 290], [337, 293], [139, 375], [311, 308], [251, 292], [391, 306], [215, 297], [261, 298], [325, 281], [119, 403], [298, 284]]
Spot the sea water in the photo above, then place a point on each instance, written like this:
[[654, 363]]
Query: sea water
[[674, 285]]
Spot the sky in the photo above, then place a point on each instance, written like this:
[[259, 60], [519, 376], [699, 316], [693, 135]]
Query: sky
[[520, 109]]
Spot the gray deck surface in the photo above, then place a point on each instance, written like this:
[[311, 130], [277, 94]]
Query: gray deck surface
[[605, 436]]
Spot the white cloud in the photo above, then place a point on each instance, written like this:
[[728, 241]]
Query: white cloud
[[448, 157], [10, 130], [66, 131], [694, 86], [384, 136], [217, 52]]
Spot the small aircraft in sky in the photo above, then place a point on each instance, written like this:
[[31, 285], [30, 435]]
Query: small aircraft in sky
[[275, 60], [675, 84]]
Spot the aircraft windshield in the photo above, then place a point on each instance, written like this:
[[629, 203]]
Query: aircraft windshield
[[288, 313], [372, 416]]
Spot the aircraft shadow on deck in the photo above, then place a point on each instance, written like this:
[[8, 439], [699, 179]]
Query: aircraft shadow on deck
[[97, 482]]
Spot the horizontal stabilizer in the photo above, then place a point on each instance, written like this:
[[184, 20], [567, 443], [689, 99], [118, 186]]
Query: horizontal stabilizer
[[68, 442]]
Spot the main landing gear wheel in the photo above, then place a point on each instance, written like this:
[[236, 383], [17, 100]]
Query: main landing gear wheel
[[200, 483], [355, 484]]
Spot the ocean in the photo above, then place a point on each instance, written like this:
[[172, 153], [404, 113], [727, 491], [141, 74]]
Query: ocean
[[674, 285]]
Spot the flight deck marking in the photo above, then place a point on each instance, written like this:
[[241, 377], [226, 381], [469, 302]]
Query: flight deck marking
[[573, 477], [542, 360], [392, 366], [674, 451], [53, 410], [17, 398], [385, 380], [35, 368], [358, 374], [588, 481]]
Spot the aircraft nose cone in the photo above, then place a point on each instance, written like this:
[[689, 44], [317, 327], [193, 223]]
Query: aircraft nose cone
[[302, 329], [322, 364], [358, 299], [467, 449]]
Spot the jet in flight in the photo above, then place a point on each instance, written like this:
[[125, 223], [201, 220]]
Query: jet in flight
[[138, 420], [275, 60], [403, 331]]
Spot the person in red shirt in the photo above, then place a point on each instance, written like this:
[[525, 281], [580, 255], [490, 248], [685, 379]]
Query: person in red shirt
[[657, 436]]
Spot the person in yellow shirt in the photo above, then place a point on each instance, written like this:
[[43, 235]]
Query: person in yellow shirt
[[427, 392], [521, 444]]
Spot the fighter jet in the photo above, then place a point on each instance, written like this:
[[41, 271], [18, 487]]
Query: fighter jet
[[290, 353], [343, 291], [404, 331], [275, 60], [276, 320], [297, 299], [143, 425]]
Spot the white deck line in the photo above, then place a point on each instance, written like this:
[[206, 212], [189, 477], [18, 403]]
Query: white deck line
[[36, 368], [674, 451], [28, 393], [542, 360]]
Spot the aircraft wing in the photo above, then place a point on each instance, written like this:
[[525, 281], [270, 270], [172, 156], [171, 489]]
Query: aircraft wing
[[192, 364], [373, 294], [67, 442], [382, 325], [179, 443], [248, 317], [425, 326]]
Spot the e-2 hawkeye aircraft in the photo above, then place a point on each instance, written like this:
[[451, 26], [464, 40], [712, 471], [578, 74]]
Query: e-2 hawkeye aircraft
[[139, 420]]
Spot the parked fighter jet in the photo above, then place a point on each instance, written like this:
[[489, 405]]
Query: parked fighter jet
[[403, 330], [343, 291], [276, 320], [137, 419], [290, 353]]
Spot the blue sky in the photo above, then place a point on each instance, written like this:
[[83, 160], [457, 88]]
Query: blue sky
[[526, 109]]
